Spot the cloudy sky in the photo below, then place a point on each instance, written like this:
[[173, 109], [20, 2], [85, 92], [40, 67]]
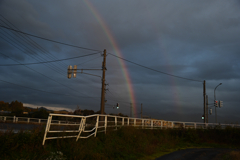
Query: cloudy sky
[[196, 40]]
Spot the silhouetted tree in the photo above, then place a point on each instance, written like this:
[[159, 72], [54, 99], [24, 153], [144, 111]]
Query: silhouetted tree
[[16, 107], [40, 113], [4, 106]]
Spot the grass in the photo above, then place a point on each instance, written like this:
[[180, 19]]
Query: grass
[[126, 143]]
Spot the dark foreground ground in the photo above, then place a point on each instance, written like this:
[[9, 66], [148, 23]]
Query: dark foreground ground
[[197, 154]]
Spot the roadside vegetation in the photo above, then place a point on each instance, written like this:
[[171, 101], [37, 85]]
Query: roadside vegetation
[[125, 143]]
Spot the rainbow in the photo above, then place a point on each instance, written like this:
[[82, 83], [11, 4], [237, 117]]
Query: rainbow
[[117, 51]]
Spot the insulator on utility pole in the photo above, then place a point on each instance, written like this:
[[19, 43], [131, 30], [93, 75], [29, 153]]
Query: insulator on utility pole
[[69, 72]]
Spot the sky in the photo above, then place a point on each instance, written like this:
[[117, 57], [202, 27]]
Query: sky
[[193, 40]]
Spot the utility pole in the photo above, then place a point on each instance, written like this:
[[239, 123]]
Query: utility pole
[[103, 83], [204, 100], [141, 110], [207, 107]]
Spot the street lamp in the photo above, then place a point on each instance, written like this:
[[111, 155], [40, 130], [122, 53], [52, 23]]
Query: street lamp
[[214, 102]]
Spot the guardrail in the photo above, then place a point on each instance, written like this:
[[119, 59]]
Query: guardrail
[[15, 119], [87, 126]]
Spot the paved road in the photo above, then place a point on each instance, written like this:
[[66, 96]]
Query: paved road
[[196, 154]]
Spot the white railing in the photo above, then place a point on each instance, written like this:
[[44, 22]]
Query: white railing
[[86, 126], [15, 119]]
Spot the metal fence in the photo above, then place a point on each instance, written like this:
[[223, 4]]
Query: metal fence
[[86, 126]]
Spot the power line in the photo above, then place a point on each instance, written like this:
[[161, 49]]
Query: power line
[[49, 39], [47, 61], [27, 38], [89, 60], [154, 69], [33, 44], [44, 91], [46, 76], [21, 48]]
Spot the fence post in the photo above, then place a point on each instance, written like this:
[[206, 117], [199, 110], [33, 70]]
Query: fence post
[[39, 121], [5, 119], [16, 120], [47, 128], [81, 127], [105, 124], [128, 122], [122, 121], [134, 122], [183, 125], [116, 122], [172, 125], [161, 124], [195, 125], [97, 121], [142, 123], [152, 124], [28, 120]]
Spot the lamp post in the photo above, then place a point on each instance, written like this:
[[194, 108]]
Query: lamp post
[[214, 102]]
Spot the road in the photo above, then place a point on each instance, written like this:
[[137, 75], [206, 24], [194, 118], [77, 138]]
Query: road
[[196, 154], [18, 126]]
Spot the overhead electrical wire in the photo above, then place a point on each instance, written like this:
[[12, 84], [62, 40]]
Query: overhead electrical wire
[[88, 60], [32, 43], [46, 76], [63, 73], [44, 91], [154, 69], [91, 50], [26, 49], [28, 39], [48, 39], [48, 61], [22, 49]]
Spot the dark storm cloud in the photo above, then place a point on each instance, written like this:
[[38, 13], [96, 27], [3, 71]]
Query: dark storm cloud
[[196, 40]]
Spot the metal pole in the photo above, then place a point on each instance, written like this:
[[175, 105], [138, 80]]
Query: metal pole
[[103, 83], [204, 100], [207, 107], [214, 102]]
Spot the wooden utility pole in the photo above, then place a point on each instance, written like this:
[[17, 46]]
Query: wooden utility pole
[[141, 110], [103, 82], [204, 100]]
